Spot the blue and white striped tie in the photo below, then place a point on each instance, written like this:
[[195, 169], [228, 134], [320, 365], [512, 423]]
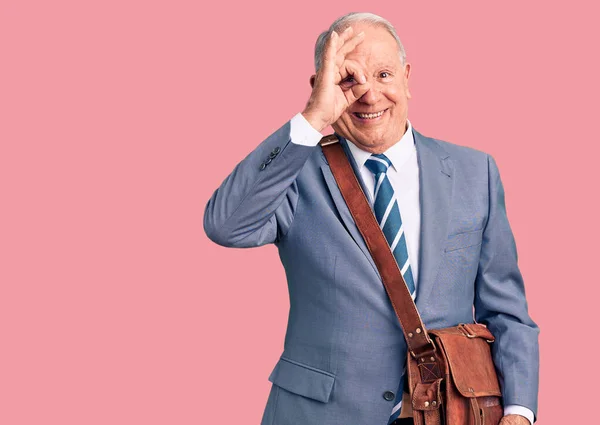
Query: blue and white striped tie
[[387, 213]]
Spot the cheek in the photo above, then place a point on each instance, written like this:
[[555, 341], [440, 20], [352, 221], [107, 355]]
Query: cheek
[[346, 119], [394, 94]]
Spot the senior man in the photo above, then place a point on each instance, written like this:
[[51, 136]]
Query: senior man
[[444, 216]]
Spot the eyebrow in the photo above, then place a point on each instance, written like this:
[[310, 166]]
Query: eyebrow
[[384, 65]]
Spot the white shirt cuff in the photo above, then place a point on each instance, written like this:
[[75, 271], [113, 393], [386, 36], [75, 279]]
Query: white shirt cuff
[[302, 133], [514, 409]]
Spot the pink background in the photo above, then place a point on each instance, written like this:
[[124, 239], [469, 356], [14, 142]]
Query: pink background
[[118, 120]]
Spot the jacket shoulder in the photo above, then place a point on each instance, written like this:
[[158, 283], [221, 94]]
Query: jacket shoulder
[[461, 151], [455, 151]]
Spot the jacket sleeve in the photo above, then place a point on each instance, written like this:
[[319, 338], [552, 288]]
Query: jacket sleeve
[[256, 202], [500, 303]]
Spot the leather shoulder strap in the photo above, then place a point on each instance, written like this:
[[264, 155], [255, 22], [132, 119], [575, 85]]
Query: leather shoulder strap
[[415, 333]]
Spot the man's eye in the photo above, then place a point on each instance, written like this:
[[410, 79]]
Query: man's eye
[[349, 79], [384, 74]]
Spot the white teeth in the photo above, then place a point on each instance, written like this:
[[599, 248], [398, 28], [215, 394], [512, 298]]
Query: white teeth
[[370, 116]]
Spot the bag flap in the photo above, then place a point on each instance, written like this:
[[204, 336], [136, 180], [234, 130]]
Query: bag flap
[[302, 379], [471, 364]]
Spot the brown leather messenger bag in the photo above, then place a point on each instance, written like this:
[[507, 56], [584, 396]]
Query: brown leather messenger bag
[[451, 374]]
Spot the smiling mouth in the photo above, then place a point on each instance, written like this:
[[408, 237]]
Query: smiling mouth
[[369, 116]]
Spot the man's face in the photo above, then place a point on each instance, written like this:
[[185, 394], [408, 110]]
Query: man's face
[[387, 96]]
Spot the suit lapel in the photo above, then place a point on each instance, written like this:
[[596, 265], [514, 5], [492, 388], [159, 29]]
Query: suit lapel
[[340, 204], [435, 195]]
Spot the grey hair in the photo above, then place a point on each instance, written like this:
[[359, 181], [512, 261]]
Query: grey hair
[[344, 22]]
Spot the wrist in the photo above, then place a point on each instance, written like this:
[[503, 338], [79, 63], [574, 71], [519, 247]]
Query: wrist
[[314, 120]]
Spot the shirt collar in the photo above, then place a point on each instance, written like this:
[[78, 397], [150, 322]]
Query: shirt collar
[[398, 153]]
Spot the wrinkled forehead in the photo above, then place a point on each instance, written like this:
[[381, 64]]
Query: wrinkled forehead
[[378, 49]]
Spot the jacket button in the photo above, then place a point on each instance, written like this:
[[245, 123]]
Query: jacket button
[[268, 160], [276, 150], [263, 166], [272, 155], [388, 395]]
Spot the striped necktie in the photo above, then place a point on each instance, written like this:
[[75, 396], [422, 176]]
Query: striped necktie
[[388, 216], [387, 213]]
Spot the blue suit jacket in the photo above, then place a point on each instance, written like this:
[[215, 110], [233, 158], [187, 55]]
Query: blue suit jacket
[[344, 347]]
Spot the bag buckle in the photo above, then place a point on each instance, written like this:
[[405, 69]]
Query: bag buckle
[[426, 352], [465, 330]]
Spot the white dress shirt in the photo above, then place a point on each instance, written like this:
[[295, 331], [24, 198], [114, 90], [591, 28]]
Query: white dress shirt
[[404, 177]]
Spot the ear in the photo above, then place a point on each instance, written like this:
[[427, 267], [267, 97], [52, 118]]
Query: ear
[[312, 80], [406, 77]]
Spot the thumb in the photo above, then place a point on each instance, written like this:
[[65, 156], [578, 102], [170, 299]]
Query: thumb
[[356, 92]]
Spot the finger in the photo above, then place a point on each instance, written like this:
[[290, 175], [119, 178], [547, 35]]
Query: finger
[[356, 92], [330, 57], [328, 65], [346, 35], [351, 44], [351, 68]]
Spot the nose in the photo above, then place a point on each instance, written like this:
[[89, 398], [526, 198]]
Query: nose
[[371, 96]]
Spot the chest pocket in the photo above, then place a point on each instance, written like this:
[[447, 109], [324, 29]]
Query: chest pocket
[[302, 379], [463, 240]]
